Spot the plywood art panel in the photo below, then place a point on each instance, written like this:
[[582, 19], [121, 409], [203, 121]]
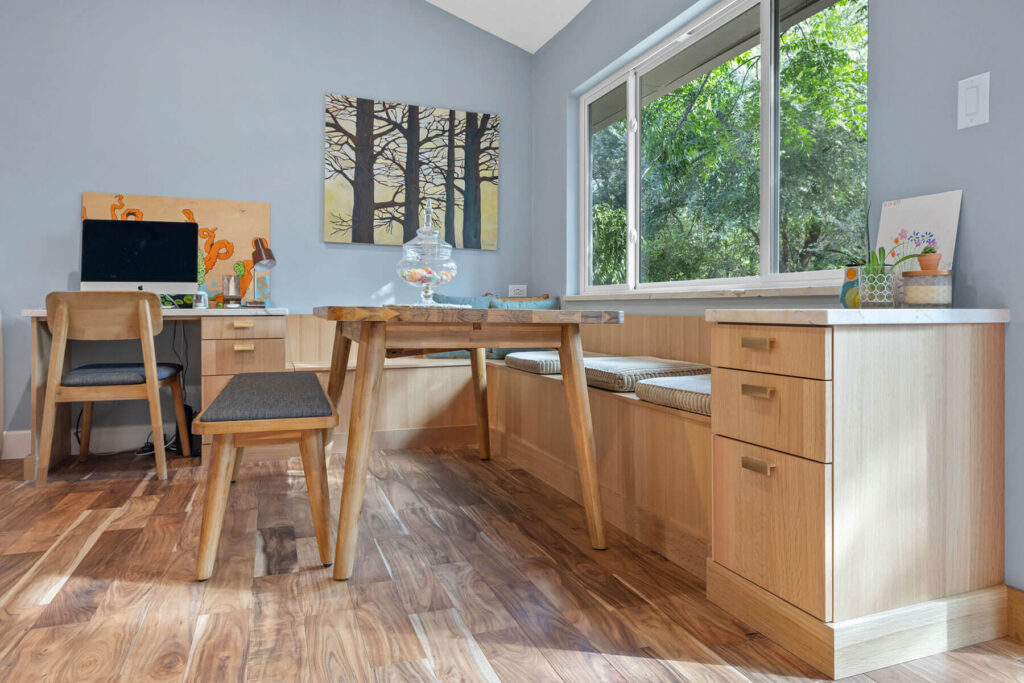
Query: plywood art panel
[[226, 233], [383, 162]]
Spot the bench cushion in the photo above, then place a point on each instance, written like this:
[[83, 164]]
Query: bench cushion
[[621, 373], [690, 393], [539, 362], [110, 374], [269, 396]]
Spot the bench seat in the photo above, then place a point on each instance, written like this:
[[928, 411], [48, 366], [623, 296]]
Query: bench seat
[[621, 373], [690, 393]]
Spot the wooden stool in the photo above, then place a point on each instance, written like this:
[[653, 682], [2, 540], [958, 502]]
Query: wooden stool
[[287, 405]]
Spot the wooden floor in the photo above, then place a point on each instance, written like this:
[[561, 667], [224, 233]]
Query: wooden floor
[[467, 571]]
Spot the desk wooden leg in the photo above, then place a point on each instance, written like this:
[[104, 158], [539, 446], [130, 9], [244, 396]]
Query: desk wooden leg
[[483, 428], [314, 466], [336, 381], [369, 368], [217, 484], [575, 381], [83, 447]]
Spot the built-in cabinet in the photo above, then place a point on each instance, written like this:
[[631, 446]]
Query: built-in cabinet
[[857, 476]]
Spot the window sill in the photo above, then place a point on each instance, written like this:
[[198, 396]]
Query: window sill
[[717, 293]]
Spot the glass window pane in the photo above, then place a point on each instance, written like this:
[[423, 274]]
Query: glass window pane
[[823, 87], [700, 156], [606, 118]]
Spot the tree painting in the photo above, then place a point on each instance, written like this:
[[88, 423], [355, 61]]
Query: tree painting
[[384, 161]]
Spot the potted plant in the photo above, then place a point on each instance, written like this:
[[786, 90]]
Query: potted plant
[[929, 259], [877, 285]]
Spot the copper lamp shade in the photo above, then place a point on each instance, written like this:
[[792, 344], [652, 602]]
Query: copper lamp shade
[[262, 256]]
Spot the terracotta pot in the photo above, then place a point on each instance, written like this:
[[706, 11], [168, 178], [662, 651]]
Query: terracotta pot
[[929, 261]]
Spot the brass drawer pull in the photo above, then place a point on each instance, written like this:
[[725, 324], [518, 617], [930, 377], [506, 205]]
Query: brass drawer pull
[[755, 465], [242, 324], [756, 391], [245, 347], [762, 343]]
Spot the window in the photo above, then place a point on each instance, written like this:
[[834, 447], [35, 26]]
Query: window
[[724, 159]]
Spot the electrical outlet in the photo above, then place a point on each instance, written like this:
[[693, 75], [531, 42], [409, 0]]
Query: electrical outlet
[[517, 290]]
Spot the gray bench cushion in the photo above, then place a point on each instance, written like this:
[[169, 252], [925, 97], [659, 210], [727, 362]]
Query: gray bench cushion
[[269, 396], [690, 393], [621, 373], [539, 362], [108, 374]]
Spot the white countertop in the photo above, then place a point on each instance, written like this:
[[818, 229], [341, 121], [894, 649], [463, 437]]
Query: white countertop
[[186, 312], [858, 316]]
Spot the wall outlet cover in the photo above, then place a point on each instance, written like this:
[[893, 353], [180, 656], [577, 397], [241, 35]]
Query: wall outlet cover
[[517, 290], [972, 101]]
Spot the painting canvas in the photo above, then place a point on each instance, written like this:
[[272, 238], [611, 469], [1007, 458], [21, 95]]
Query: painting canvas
[[909, 225], [383, 162], [226, 233]]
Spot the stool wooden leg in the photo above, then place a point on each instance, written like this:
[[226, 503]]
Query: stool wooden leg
[[575, 382], [360, 435], [483, 428], [217, 485], [239, 454], [314, 465], [83, 448], [178, 394]]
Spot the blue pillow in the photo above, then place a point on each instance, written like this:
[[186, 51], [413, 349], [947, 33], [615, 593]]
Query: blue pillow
[[461, 353], [474, 301], [541, 305]]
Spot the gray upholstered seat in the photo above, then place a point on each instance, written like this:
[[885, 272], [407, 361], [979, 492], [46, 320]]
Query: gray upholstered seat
[[690, 393], [539, 362], [107, 374], [269, 396], [621, 373]]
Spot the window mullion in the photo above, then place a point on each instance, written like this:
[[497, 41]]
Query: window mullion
[[632, 179], [769, 244]]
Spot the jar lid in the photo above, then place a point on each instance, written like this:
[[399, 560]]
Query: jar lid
[[915, 273]]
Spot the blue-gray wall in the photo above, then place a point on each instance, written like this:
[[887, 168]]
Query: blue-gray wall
[[225, 100], [918, 51]]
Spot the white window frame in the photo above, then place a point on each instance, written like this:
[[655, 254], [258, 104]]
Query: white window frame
[[768, 278]]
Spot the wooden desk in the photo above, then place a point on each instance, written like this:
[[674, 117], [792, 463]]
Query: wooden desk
[[219, 325], [392, 331]]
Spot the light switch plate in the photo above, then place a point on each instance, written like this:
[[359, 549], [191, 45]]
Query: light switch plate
[[517, 290], [972, 101]]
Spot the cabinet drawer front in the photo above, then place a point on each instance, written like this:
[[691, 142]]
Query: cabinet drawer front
[[779, 349], [244, 327], [788, 414], [772, 523], [229, 357]]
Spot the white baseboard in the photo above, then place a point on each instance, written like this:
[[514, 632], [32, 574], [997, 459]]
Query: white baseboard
[[17, 442]]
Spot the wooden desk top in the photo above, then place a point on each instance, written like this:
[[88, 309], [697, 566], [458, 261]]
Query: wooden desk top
[[442, 315]]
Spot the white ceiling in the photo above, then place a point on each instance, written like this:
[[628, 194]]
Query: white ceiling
[[526, 23]]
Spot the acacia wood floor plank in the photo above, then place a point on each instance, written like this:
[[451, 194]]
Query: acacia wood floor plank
[[467, 570]]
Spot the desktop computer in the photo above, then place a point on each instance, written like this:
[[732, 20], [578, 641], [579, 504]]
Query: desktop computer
[[155, 256]]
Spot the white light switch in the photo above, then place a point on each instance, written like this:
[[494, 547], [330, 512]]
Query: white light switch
[[972, 101]]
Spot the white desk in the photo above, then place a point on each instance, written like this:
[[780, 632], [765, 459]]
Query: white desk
[[262, 350]]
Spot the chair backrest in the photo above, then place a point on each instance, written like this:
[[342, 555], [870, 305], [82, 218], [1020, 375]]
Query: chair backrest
[[105, 316]]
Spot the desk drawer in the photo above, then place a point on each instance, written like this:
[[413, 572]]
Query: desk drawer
[[788, 414], [244, 327], [772, 522], [228, 357], [778, 349]]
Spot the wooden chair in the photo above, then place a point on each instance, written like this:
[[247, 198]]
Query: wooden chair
[[107, 316], [267, 407]]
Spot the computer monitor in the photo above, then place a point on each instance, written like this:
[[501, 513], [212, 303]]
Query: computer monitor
[[155, 256]]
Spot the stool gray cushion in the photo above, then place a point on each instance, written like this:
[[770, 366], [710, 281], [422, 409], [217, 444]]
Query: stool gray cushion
[[690, 393], [107, 374], [269, 396], [621, 373], [539, 362]]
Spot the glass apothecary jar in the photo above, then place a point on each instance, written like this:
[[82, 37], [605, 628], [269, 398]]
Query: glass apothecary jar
[[427, 260], [928, 289]]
